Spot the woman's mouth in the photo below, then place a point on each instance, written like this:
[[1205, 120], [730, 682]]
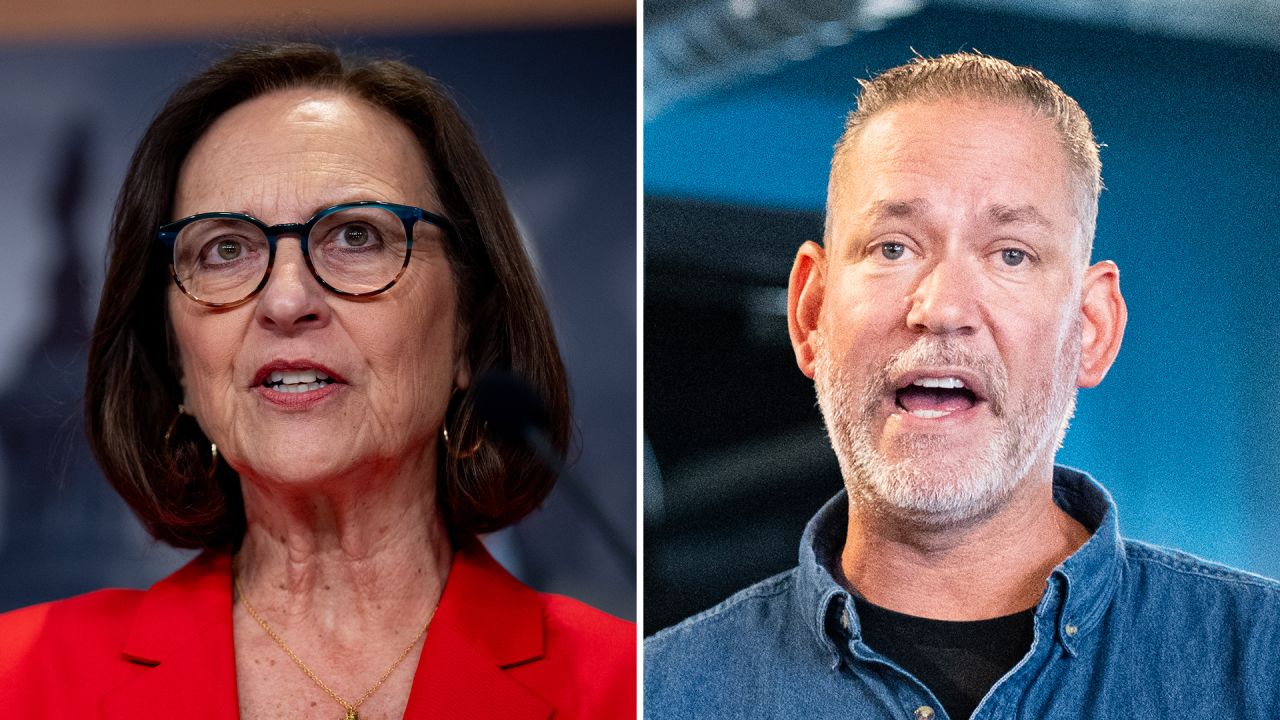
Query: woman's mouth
[[296, 381]]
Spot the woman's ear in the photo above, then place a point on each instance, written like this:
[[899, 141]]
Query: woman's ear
[[462, 373], [1103, 317], [805, 292], [461, 360]]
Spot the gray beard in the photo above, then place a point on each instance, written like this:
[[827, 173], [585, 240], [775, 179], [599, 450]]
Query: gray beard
[[929, 483]]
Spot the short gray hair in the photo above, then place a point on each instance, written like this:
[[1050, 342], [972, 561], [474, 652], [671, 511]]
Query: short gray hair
[[976, 76]]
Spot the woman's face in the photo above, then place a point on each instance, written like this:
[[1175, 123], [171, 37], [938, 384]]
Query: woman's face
[[280, 158]]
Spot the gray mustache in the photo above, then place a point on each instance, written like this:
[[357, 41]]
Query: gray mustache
[[933, 352]]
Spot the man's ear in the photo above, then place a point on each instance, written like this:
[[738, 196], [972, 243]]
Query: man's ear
[[804, 302], [1103, 317]]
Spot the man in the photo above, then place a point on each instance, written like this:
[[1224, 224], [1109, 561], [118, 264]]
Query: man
[[947, 320]]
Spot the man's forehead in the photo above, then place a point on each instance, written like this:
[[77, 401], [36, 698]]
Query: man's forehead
[[904, 162], [912, 128]]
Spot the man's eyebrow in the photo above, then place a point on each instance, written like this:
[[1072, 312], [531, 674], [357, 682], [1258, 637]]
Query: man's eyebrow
[[1017, 215], [890, 209]]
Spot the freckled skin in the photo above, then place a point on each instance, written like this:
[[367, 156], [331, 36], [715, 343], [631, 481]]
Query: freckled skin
[[281, 157]]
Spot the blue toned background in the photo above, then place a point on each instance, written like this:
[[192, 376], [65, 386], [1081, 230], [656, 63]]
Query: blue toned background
[[1183, 430], [554, 108]]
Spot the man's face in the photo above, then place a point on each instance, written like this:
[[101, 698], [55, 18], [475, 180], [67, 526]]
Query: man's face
[[948, 338]]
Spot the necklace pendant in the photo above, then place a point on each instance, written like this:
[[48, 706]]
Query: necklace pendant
[[352, 714]]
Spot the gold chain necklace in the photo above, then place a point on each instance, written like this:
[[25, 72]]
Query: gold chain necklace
[[349, 706]]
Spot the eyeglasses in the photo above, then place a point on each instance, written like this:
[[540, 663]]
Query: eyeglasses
[[222, 259]]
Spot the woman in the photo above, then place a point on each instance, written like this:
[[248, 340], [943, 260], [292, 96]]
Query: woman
[[311, 265]]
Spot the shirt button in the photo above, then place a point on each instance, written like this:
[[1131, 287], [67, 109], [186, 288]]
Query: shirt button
[[924, 712], [1072, 630], [844, 620]]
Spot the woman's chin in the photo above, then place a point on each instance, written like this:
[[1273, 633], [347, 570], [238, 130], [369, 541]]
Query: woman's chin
[[304, 472]]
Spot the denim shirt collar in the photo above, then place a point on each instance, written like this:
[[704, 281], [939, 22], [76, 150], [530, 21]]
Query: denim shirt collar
[[1077, 593]]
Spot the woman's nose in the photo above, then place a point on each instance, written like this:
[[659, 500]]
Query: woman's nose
[[293, 300]]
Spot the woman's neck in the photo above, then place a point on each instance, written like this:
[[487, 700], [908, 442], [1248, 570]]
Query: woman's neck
[[351, 556]]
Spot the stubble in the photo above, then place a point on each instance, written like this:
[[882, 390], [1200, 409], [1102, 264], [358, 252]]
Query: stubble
[[924, 478]]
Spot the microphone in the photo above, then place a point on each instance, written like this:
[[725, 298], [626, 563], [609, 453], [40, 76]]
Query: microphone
[[515, 414]]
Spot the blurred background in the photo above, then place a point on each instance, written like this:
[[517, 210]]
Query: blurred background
[[550, 88], [743, 101]]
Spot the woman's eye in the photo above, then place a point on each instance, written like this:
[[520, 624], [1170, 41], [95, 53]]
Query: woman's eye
[[229, 250], [1012, 256], [354, 236], [224, 251], [892, 250]]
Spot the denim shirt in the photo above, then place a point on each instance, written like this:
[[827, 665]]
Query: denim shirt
[[1124, 630]]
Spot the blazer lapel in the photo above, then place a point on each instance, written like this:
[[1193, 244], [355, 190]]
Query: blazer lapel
[[455, 680], [182, 635], [487, 621]]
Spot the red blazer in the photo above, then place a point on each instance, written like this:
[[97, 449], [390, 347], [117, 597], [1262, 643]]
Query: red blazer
[[496, 649]]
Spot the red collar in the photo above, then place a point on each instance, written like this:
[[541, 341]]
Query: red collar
[[487, 621]]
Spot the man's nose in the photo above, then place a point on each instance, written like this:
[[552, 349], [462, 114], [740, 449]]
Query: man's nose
[[293, 300], [945, 301]]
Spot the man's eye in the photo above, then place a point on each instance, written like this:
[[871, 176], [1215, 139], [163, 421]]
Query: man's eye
[[892, 251], [1013, 257]]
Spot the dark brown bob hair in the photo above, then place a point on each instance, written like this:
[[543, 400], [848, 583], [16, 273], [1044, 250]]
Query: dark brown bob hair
[[133, 389]]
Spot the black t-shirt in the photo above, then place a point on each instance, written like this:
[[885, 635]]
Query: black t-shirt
[[958, 661]]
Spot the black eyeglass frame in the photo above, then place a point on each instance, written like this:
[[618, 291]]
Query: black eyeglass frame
[[409, 215]]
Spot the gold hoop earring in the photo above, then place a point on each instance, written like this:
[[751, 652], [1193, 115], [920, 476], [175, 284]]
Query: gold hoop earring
[[173, 424], [213, 446], [444, 433]]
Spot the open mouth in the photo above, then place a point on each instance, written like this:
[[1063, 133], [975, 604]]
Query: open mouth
[[935, 397], [296, 381]]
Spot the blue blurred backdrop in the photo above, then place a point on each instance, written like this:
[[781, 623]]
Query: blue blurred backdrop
[[1182, 431], [554, 108]]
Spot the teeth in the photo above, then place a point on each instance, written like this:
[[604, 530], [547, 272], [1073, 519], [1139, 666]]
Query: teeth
[[930, 414], [300, 388], [942, 382], [297, 377]]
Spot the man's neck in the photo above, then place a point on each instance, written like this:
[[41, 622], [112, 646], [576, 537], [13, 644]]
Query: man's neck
[[993, 567]]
